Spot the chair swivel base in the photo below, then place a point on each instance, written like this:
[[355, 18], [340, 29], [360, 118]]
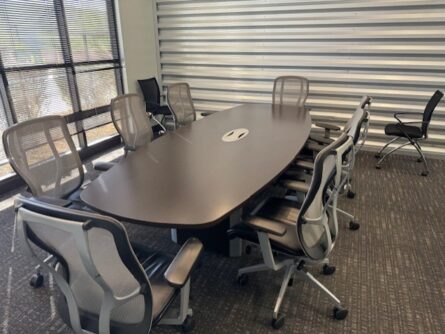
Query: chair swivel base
[[36, 280], [278, 319]]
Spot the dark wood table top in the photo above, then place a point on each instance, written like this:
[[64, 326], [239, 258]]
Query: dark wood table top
[[191, 178]]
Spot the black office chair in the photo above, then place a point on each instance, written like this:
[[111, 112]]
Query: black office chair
[[152, 96], [107, 284], [42, 152], [412, 133], [301, 235]]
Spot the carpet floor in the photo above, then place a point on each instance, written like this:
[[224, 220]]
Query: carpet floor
[[390, 273]]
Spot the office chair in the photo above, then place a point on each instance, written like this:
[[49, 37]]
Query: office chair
[[42, 152], [359, 134], [152, 96], [356, 129], [131, 122], [290, 91], [414, 134], [181, 104], [107, 284], [300, 235]]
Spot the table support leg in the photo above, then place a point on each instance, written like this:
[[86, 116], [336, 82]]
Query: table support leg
[[236, 245]]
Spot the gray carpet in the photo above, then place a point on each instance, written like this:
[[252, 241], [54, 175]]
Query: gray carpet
[[390, 273]]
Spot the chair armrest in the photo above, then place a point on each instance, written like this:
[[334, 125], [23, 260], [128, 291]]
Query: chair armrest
[[397, 114], [265, 225], [179, 270], [320, 139], [54, 201], [308, 165], [299, 186], [328, 126], [103, 166]]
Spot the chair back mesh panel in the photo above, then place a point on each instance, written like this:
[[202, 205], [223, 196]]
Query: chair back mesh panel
[[150, 91], [62, 232], [429, 109], [181, 104], [43, 154], [354, 124], [131, 120], [290, 91], [312, 235]]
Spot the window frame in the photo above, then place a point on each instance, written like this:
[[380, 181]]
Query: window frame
[[78, 114]]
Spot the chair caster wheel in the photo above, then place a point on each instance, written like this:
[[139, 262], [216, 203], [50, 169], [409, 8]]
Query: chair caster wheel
[[424, 173], [354, 225], [419, 160], [188, 324], [351, 194], [377, 156], [291, 282], [328, 270], [248, 249], [243, 279], [36, 281], [340, 313], [278, 322], [378, 167]]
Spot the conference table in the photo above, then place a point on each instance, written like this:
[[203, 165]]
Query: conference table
[[196, 179]]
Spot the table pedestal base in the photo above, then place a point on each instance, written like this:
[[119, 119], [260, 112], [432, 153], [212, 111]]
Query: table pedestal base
[[215, 238]]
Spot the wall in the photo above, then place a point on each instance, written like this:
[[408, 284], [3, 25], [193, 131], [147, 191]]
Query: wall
[[230, 52], [138, 44]]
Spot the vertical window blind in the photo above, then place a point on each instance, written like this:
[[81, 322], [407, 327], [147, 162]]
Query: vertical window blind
[[59, 57]]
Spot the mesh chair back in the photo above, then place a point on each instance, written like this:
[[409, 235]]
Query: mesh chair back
[[96, 266], [316, 226], [354, 125], [150, 91], [290, 91], [131, 121], [43, 154], [429, 109], [181, 104]]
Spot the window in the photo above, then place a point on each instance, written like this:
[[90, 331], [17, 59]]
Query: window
[[59, 57]]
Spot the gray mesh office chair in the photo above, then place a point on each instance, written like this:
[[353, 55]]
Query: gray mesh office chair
[[301, 235], [181, 104], [290, 91], [360, 132], [42, 152], [356, 129], [131, 122], [108, 285]]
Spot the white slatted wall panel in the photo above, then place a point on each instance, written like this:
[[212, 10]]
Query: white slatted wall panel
[[230, 51]]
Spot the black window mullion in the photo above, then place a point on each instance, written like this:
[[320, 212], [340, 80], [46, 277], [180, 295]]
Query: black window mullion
[[111, 11], [5, 95], [70, 70]]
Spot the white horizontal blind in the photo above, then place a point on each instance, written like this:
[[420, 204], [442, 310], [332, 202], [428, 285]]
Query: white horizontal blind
[[230, 52]]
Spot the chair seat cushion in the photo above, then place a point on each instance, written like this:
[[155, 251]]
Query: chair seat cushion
[[397, 129], [285, 213], [154, 264]]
